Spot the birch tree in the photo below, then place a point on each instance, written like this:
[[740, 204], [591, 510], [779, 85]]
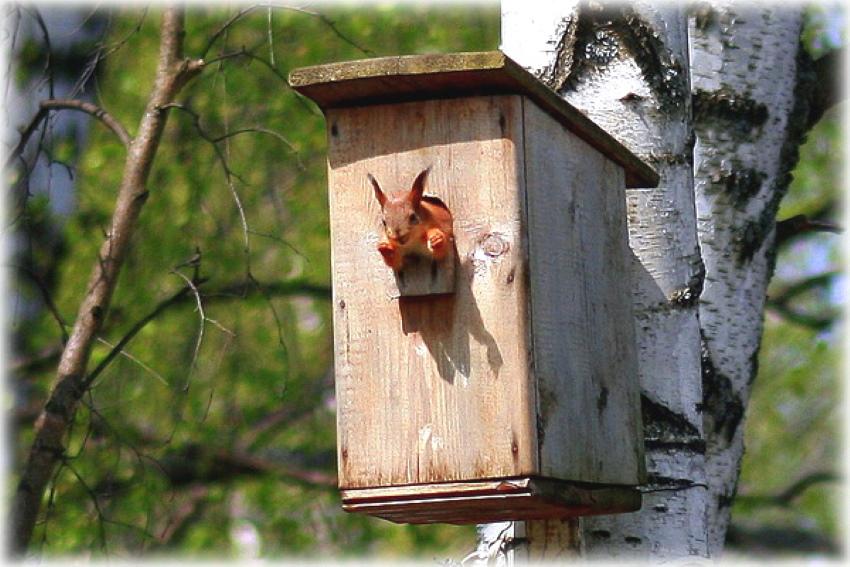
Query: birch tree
[[717, 97]]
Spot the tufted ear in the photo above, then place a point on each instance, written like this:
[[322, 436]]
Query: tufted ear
[[379, 195], [418, 187]]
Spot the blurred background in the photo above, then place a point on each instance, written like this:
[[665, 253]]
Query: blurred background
[[213, 433]]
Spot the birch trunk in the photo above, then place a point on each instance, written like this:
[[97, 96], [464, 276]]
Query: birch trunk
[[663, 80], [750, 115]]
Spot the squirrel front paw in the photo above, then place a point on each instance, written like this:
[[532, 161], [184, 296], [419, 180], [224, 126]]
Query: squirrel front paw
[[438, 244], [391, 256]]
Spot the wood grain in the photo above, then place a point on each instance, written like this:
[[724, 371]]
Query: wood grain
[[581, 308], [432, 389], [490, 501]]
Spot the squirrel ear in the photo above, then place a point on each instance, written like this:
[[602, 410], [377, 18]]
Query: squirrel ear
[[379, 195], [418, 187]]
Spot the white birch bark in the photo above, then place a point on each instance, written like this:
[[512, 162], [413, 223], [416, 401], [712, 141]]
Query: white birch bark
[[626, 67], [660, 79], [744, 74]]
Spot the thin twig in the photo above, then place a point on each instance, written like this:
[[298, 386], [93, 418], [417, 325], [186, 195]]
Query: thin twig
[[132, 358], [321, 17], [48, 301], [48, 67], [133, 331], [203, 318]]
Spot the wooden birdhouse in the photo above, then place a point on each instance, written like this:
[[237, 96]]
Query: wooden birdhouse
[[497, 379]]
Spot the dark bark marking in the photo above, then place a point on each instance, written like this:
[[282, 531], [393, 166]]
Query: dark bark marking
[[704, 15], [750, 237], [724, 406], [696, 446], [742, 185], [602, 400], [739, 112], [604, 33], [661, 424]]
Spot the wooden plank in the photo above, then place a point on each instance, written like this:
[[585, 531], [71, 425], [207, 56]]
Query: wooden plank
[[425, 277], [419, 77], [581, 310], [431, 389], [482, 502], [438, 489]]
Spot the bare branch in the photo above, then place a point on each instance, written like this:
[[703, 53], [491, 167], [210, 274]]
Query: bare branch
[[248, 54], [228, 173], [780, 301], [173, 71], [48, 301], [787, 294], [800, 224], [321, 17], [814, 322], [45, 357], [203, 317], [260, 130], [225, 26], [108, 120], [332, 25], [68, 104], [48, 49], [133, 331], [828, 91], [786, 497]]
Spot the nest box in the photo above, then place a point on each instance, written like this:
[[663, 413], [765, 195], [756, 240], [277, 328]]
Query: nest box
[[500, 383]]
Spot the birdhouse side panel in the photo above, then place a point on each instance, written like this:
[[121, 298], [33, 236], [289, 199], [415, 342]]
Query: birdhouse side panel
[[581, 313], [431, 389]]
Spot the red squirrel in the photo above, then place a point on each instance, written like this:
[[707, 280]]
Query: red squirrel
[[414, 225]]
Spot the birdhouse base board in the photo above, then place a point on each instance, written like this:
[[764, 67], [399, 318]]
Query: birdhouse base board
[[486, 501]]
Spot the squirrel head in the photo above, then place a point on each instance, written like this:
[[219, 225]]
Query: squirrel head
[[401, 214]]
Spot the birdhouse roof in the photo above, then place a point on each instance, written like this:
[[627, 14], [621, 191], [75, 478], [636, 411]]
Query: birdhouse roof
[[421, 77]]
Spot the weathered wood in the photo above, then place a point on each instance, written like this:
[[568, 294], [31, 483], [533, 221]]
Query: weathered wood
[[581, 312], [424, 77], [490, 501], [527, 371], [431, 389], [550, 540], [424, 276]]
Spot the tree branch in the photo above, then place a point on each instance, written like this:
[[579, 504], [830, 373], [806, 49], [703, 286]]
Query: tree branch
[[799, 224], [48, 447], [67, 104], [780, 302], [828, 91], [787, 496], [785, 295], [134, 330], [321, 17]]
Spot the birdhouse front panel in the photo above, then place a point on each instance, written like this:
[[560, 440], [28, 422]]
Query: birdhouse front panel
[[433, 388]]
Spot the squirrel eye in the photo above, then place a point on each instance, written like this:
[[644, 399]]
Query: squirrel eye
[[384, 222], [413, 218]]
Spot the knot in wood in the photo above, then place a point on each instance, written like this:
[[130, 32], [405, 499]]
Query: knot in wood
[[494, 245]]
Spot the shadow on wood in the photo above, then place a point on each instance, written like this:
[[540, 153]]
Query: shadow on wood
[[446, 331]]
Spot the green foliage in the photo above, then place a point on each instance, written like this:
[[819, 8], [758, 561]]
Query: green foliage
[[266, 352]]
